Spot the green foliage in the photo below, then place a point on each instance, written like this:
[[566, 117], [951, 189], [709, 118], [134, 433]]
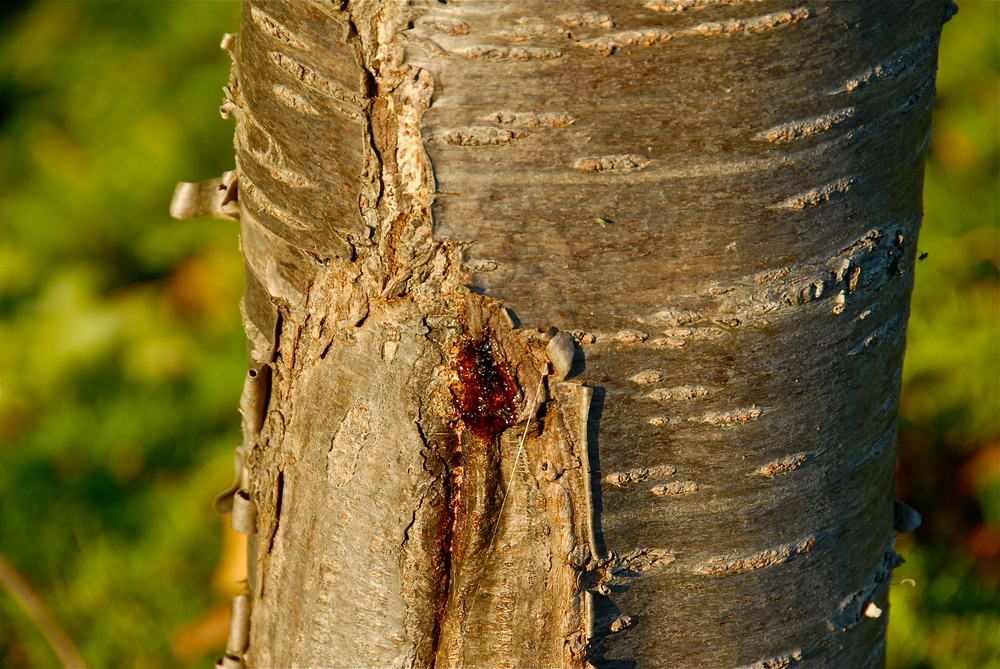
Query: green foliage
[[950, 402], [122, 357], [946, 619]]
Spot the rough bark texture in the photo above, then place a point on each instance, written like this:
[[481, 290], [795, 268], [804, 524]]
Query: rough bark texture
[[719, 201]]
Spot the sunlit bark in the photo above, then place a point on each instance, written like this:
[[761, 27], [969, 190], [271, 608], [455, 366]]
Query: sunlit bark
[[576, 327]]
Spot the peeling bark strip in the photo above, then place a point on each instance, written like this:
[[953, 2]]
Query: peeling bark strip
[[496, 279], [215, 197]]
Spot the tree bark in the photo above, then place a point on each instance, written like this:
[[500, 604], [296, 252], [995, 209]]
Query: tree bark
[[576, 327]]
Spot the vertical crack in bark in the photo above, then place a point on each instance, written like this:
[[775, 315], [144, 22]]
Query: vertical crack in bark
[[442, 556], [279, 489]]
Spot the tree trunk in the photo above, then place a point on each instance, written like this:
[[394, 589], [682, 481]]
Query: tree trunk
[[576, 327]]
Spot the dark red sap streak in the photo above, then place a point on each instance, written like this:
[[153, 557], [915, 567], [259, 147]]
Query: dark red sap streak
[[486, 399]]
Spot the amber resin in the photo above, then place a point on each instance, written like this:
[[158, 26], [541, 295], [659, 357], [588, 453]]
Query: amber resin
[[486, 397]]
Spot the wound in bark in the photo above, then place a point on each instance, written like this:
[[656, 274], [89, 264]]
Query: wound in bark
[[486, 396]]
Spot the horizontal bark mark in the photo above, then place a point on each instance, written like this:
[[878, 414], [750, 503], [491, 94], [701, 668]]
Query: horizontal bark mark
[[674, 488], [492, 52], [792, 130], [289, 177], [860, 269], [725, 564], [639, 474], [676, 318], [590, 19], [684, 5], [925, 89], [815, 196], [528, 30], [679, 393], [734, 417], [277, 31], [776, 661], [266, 206], [886, 332], [879, 444], [783, 465], [452, 27], [639, 560], [293, 100], [629, 162], [646, 377], [756, 24], [481, 136], [608, 44], [531, 119], [629, 336], [317, 82], [893, 66]]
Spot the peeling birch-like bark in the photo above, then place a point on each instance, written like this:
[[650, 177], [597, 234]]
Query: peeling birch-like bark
[[575, 327]]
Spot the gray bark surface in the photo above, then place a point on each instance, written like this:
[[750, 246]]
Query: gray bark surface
[[718, 200]]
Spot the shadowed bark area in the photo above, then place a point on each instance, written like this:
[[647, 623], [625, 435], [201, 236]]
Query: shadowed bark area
[[576, 327]]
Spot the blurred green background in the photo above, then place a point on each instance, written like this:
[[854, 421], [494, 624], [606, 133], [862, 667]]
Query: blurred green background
[[122, 358]]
